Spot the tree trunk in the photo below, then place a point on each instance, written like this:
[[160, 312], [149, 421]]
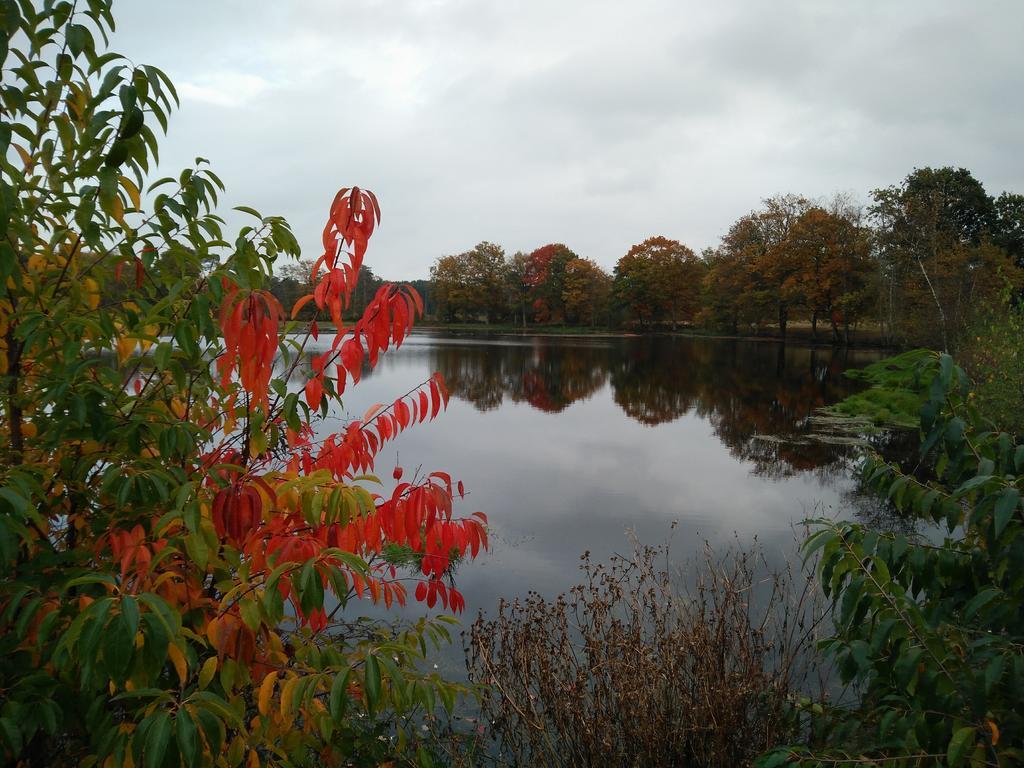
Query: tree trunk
[[938, 305], [814, 325]]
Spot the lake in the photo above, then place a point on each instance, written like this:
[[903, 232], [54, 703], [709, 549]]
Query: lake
[[572, 444]]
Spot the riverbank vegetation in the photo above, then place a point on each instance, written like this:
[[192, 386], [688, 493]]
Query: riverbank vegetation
[[914, 267], [642, 665]]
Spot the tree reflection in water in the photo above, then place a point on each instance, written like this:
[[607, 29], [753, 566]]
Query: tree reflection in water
[[756, 396]]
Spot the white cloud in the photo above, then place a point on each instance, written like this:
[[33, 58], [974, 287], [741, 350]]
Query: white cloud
[[223, 89], [591, 122]]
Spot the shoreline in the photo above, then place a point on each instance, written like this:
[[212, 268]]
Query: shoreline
[[561, 331]]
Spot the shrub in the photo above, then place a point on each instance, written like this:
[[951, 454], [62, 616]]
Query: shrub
[[631, 669], [930, 633], [182, 541]]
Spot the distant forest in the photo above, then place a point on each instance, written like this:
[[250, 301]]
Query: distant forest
[[913, 266]]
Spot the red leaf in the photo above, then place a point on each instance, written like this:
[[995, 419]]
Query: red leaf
[[314, 392]]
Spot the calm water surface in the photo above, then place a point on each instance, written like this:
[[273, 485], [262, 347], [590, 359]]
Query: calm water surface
[[571, 444]]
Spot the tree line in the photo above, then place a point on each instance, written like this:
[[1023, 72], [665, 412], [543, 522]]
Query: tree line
[[913, 266]]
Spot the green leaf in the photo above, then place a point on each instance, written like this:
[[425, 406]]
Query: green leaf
[[1006, 505], [970, 485], [959, 746], [157, 739], [371, 683], [339, 696], [11, 734], [979, 601], [250, 610], [187, 736], [118, 646], [250, 211], [79, 39], [16, 500]]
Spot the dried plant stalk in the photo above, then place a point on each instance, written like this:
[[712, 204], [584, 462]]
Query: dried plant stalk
[[632, 669]]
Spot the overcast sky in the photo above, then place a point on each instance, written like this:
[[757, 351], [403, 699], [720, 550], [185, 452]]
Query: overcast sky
[[587, 122]]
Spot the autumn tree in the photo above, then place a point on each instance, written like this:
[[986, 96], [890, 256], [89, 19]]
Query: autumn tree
[[471, 285], [185, 541], [833, 269], [736, 278], [545, 278], [586, 292], [776, 267], [517, 290], [659, 279]]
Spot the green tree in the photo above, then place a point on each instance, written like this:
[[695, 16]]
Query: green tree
[[1009, 230], [937, 261]]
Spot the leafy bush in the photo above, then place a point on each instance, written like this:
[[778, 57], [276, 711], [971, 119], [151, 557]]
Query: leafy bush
[[182, 542], [992, 353], [930, 634]]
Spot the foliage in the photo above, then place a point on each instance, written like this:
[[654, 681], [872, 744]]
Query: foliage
[[182, 539], [659, 280], [1009, 229], [291, 281], [930, 635], [586, 291], [992, 353], [897, 391], [545, 278], [631, 669], [938, 235], [833, 268], [471, 284]]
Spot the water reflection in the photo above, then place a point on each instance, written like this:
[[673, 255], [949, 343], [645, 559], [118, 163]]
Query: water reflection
[[568, 443], [756, 396]]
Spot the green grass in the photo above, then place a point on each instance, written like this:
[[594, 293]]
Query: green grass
[[898, 389]]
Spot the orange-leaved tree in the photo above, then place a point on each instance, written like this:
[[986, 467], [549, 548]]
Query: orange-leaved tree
[[183, 541]]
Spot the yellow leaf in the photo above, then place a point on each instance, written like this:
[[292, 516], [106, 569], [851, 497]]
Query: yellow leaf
[[117, 211], [254, 759], [179, 662], [26, 158], [92, 293], [125, 346], [287, 692], [266, 691], [132, 191], [208, 671]]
